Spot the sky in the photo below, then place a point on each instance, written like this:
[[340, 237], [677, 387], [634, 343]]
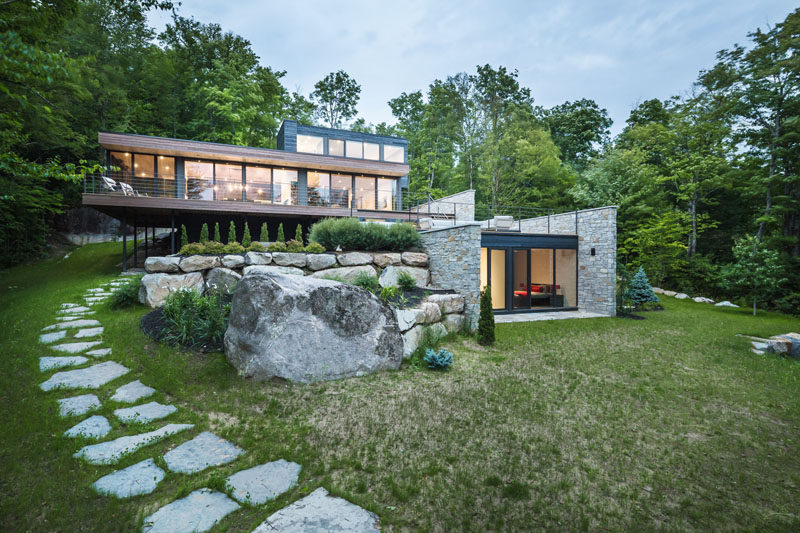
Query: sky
[[616, 53]]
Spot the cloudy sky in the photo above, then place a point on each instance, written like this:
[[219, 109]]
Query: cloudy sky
[[617, 53]]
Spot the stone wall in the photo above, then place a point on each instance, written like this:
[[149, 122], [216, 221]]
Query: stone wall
[[454, 261], [596, 228]]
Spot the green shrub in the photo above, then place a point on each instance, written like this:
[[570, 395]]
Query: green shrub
[[213, 247], [350, 234], [204, 233], [389, 294], [402, 236], [314, 248], [194, 248], [281, 237], [427, 341], [374, 237], [192, 319], [256, 247], [184, 236], [294, 246], [298, 234], [486, 318], [246, 239], [441, 360], [232, 233], [233, 248], [264, 233], [217, 234], [789, 304], [639, 290], [126, 295], [276, 247], [406, 281], [367, 281]]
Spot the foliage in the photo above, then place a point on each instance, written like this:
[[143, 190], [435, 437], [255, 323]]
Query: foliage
[[127, 294], [233, 247], [217, 234], [214, 247], [298, 234], [439, 360], [294, 246], [367, 281], [621, 292], [639, 290], [578, 128], [194, 320], [232, 233], [406, 281], [246, 239], [264, 237], [276, 247], [335, 97], [184, 236], [281, 237], [486, 318], [314, 248], [194, 248], [204, 233], [789, 304], [389, 294], [256, 247], [756, 272], [350, 234]]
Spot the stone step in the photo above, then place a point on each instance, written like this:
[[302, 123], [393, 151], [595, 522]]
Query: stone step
[[74, 316], [199, 511], [138, 479], [80, 323], [89, 332], [257, 485], [132, 392], [91, 377], [201, 452], [47, 338], [142, 414], [321, 512], [69, 311], [75, 347], [78, 405], [51, 363], [69, 306], [93, 427], [97, 290], [110, 452], [100, 352]]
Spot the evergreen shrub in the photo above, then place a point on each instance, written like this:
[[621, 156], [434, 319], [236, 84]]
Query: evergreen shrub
[[246, 239], [486, 318], [217, 234], [281, 237], [204, 233], [184, 236], [639, 291], [441, 360], [314, 248], [264, 237], [232, 233], [406, 281]]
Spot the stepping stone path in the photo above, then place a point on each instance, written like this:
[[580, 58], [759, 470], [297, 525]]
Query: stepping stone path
[[141, 414], [203, 508]]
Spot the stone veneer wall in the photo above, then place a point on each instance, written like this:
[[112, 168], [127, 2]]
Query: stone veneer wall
[[597, 275], [454, 261]]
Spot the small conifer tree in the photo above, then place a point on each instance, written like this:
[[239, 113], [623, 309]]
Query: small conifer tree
[[204, 233], [486, 318], [184, 236], [232, 232], [246, 239], [264, 233], [280, 238], [639, 290], [217, 234], [298, 234]]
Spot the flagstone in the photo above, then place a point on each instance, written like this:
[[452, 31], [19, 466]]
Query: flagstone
[[321, 512], [141, 414], [110, 452], [47, 338], [75, 347], [132, 392], [89, 332], [199, 511], [69, 306], [203, 451], [257, 485], [78, 405], [100, 289], [93, 427], [90, 377], [50, 363], [80, 323], [100, 352], [70, 310], [141, 478]]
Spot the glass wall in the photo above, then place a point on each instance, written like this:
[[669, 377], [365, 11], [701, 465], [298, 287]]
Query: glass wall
[[310, 144], [372, 151], [393, 154], [355, 149], [165, 184], [259, 184], [199, 180], [387, 193], [122, 160], [365, 193], [319, 188], [336, 147], [228, 181], [567, 276], [341, 190], [284, 186]]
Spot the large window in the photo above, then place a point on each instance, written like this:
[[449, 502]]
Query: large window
[[319, 187], [365, 193], [387, 193], [228, 183], [199, 180], [259, 186], [122, 160], [165, 184], [372, 151], [336, 147], [355, 149], [310, 144], [341, 189], [393, 154], [284, 186]]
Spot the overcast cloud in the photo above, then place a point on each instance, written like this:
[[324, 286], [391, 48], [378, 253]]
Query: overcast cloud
[[617, 53]]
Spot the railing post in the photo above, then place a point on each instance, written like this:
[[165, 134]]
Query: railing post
[[172, 234], [124, 240], [135, 244]]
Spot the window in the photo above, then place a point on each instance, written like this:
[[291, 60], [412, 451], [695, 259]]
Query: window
[[336, 147], [228, 182], [355, 149], [319, 187], [165, 184], [258, 188], [372, 151], [121, 160], [310, 144], [284, 186], [387, 193], [199, 180], [341, 187], [393, 153], [143, 166], [365, 193]]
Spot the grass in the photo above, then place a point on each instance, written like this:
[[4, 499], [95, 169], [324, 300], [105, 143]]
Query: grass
[[665, 423]]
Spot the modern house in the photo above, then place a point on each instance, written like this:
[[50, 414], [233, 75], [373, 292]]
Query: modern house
[[550, 262]]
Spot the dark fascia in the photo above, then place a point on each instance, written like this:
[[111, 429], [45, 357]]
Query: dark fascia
[[303, 129]]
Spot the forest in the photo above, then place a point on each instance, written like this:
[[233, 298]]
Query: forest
[[707, 182]]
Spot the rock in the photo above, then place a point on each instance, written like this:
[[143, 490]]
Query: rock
[[222, 279], [142, 414], [91, 377], [794, 339], [49, 363], [75, 347], [320, 261], [196, 263], [386, 259], [348, 274], [201, 452], [47, 338], [162, 264], [411, 340], [448, 303], [156, 287], [132, 392], [415, 259], [321, 512], [73, 310], [69, 306], [438, 330], [408, 318], [658, 290], [725, 303], [453, 323], [88, 332], [80, 323], [110, 452], [78, 405], [93, 427], [289, 259], [100, 352], [389, 275], [305, 329], [257, 485], [233, 261], [272, 269], [354, 259], [198, 511], [257, 258], [431, 312], [138, 479], [681, 296], [703, 300]]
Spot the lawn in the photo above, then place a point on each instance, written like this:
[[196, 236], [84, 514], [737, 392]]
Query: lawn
[[664, 423]]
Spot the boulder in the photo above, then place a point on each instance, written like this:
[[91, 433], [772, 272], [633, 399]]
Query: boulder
[[156, 287], [703, 300], [453, 323], [448, 303], [413, 337], [289, 259], [196, 263], [305, 329], [725, 303], [669, 293], [162, 264], [787, 344], [431, 312], [681, 296], [257, 258], [408, 318], [389, 275], [320, 261], [415, 259], [233, 261], [223, 279], [348, 274], [386, 259], [658, 290], [272, 269], [354, 258]]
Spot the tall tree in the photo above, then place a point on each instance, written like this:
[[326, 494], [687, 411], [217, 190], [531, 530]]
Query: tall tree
[[579, 129], [336, 97]]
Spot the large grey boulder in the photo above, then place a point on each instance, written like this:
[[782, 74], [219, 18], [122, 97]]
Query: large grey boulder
[[258, 258], [386, 259], [289, 259], [156, 287], [354, 259], [223, 279], [233, 261], [415, 259], [272, 269], [162, 264], [390, 273], [348, 274], [306, 329], [448, 303], [196, 263], [320, 261]]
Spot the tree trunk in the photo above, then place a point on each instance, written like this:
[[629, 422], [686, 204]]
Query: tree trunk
[[767, 209], [692, 249], [754, 306]]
